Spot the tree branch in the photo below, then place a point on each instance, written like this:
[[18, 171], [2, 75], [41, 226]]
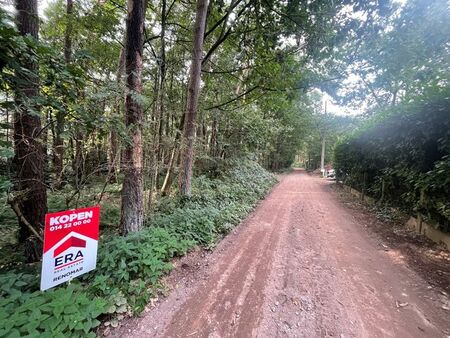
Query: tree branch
[[234, 99], [222, 19], [13, 202], [216, 45]]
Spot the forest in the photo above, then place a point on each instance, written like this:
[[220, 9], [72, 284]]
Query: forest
[[173, 116]]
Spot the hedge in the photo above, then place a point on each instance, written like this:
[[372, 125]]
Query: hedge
[[402, 157]]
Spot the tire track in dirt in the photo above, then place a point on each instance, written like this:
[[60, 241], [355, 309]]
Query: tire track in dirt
[[299, 266], [227, 306]]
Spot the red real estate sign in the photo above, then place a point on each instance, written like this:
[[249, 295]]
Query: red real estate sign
[[70, 245]]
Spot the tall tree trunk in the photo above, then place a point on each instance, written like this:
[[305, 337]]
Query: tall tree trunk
[[8, 127], [58, 149], [213, 138], [58, 145], [172, 161], [160, 95], [188, 141], [132, 213], [157, 156], [68, 32], [113, 156], [114, 150], [78, 163], [28, 143]]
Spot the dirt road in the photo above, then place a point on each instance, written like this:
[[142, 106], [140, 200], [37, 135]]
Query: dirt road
[[299, 266]]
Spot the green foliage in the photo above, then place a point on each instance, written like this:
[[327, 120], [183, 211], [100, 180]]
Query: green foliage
[[216, 205], [408, 149], [129, 264], [129, 268], [402, 57], [15, 282], [323, 126], [61, 312], [66, 198]]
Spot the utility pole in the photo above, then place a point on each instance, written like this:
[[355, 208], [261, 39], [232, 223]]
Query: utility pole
[[322, 157]]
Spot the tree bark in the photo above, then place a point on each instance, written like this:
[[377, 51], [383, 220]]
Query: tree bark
[[172, 161], [114, 150], [213, 140], [28, 143], [79, 158], [132, 213], [188, 141], [160, 95], [58, 148], [68, 32]]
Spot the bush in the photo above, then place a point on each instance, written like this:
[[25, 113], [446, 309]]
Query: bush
[[408, 152], [129, 268], [128, 265], [55, 313], [216, 205]]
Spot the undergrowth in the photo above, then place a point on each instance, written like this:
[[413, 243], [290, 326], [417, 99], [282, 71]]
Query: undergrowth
[[129, 268]]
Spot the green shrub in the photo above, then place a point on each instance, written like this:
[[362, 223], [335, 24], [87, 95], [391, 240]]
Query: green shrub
[[129, 268], [216, 205], [61, 312], [126, 269], [406, 151], [127, 265]]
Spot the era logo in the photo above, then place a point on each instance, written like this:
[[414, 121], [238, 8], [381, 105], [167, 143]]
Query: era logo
[[68, 258]]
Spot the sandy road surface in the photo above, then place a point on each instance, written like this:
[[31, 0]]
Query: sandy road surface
[[299, 266]]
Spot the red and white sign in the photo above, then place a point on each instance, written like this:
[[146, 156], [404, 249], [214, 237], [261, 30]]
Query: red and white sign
[[70, 245]]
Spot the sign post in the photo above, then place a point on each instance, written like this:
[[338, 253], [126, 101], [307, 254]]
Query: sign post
[[70, 245]]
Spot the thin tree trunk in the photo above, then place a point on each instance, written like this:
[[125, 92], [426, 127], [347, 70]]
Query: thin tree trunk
[[160, 94], [68, 32], [113, 156], [153, 150], [58, 148], [159, 110], [168, 179], [114, 150], [78, 161], [213, 139], [132, 213], [394, 98], [28, 142], [185, 177], [172, 161]]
